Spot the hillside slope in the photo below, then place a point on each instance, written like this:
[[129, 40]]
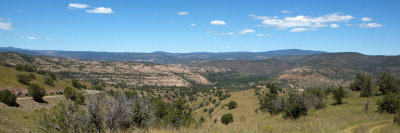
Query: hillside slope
[[125, 73], [319, 70], [9, 81]]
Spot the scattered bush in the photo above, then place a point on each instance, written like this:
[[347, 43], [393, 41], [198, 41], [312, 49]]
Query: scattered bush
[[64, 117], [294, 106], [130, 94], [73, 95], [362, 83], [210, 111], [224, 96], [179, 114], [8, 97], [273, 88], [227, 118], [52, 75], [205, 110], [140, 115], [32, 76], [76, 84], [271, 103], [314, 98], [37, 92], [49, 81], [23, 79], [387, 83], [97, 87], [232, 105], [27, 68], [201, 120], [390, 103], [339, 94]]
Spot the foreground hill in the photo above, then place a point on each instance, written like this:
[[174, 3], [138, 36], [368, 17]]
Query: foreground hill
[[9, 81], [346, 118], [161, 57], [117, 73]]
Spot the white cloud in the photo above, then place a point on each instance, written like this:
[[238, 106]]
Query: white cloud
[[182, 13], [32, 38], [285, 11], [259, 17], [103, 10], [218, 22], [246, 31], [371, 25], [229, 33], [366, 19], [333, 25], [47, 39], [217, 33], [5, 26], [302, 22], [192, 24], [77, 6], [263, 35], [299, 29]]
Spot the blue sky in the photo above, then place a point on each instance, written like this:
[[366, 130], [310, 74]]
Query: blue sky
[[365, 26]]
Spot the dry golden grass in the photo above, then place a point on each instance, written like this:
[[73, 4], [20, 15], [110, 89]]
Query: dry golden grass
[[21, 119], [350, 116], [333, 118]]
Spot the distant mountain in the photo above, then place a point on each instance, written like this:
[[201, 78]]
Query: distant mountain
[[160, 57]]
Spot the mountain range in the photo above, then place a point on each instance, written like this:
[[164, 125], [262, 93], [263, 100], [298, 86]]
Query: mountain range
[[160, 57], [291, 68]]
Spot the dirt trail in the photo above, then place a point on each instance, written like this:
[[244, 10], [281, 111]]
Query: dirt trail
[[26, 98], [374, 126]]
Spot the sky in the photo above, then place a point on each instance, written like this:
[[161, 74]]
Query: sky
[[180, 26]]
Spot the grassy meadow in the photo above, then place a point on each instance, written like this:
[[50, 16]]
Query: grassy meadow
[[348, 117]]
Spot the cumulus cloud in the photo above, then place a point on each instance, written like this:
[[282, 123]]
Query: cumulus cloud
[[5, 26], [371, 25], [259, 17], [302, 23], [77, 6], [218, 22], [299, 29], [333, 25], [192, 24], [366, 19], [182, 13], [102, 10], [285, 11], [247, 31]]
